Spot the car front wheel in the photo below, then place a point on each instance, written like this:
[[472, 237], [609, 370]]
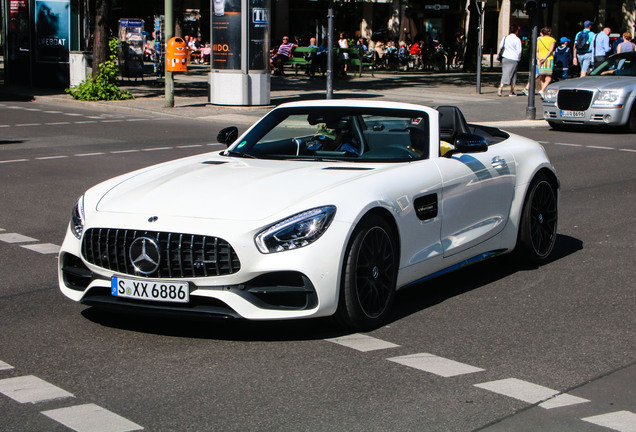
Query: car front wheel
[[538, 228], [369, 277]]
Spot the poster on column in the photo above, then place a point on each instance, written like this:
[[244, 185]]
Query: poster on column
[[52, 31], [226, 34], [259, 34]]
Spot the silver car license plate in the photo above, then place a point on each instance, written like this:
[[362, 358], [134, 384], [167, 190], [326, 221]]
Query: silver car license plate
[[575, 114], [166, 291]]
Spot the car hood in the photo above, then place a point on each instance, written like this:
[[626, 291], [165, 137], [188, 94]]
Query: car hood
[[227, 188], [595, 82]]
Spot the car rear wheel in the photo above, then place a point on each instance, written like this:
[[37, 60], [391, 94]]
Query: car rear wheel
[[538, 227], [369, 276]]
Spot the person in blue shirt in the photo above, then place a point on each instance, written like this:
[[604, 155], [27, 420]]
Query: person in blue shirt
[[583, 48], [562, 59], [601, 46]]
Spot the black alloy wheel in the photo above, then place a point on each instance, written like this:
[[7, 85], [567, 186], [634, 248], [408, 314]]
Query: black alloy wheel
[[538, 229], [370, 272]]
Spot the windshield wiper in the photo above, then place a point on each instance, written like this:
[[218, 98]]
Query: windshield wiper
[[239, 154]]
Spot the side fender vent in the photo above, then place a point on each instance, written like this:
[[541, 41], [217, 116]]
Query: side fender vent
[[426, 207]]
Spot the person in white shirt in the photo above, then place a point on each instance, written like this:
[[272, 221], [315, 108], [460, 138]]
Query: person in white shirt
[[510, 61]]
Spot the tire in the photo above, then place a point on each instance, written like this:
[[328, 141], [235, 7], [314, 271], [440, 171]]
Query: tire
[[369, 276], [538, 226], [631, 123]]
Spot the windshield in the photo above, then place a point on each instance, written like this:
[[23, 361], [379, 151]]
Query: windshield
[[617, 66], [351, 134]]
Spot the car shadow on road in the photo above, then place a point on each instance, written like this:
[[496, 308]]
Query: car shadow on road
[[408, 301]]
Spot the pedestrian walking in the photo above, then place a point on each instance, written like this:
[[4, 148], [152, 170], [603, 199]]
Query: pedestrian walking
[[562, 60], [601, 46], [545, 60], [583, 48], [627, 45], [511, 56]]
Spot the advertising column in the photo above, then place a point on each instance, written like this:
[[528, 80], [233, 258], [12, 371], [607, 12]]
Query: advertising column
[[52, 42], [240, 44], [18, 61]]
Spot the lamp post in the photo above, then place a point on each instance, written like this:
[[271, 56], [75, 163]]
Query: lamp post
[[330, 50], [169, 33]]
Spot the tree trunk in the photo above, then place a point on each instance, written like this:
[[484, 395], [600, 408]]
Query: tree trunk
[[101, 51], [470, 56]]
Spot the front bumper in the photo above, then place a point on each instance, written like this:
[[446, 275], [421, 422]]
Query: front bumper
[[287, 285], [610, 116]]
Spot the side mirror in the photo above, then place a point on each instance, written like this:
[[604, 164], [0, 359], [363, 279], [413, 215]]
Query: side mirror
[[470, 143], [227, 135]]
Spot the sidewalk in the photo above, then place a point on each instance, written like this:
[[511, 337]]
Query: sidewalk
[[191, 95]]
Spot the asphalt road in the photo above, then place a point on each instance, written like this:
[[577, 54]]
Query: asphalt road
[[519, 335]]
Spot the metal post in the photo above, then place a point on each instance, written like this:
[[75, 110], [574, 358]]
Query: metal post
[[330, 50], [480, 10], [531, 110], [169, 25]]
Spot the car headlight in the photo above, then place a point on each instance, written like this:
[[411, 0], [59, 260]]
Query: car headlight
[[295, 232], [607, 97], [550, 95], [77, 218]]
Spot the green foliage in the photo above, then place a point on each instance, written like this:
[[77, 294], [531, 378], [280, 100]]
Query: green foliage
[[104, 85]]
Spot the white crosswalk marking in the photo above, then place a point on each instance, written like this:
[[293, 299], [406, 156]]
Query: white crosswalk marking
[[5, 366], [362, 342], [43, 248], [31, 389], [16, 238], [91, 418], [623, 421], [531, 393], [436, 365]]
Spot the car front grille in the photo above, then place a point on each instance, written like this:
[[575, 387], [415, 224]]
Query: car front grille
[[176, 255], [574, 100]]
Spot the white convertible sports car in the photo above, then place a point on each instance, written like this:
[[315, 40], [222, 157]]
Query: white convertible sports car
[[320, 208]]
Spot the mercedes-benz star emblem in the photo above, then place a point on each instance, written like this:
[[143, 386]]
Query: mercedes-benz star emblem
[[144, 255]]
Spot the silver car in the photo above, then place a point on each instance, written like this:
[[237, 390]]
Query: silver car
[[605, 97]]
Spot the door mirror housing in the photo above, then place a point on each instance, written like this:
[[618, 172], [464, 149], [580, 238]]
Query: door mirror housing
[[227, 135], [470, 143]]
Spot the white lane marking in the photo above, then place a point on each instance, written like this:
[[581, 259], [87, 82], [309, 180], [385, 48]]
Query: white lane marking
[[124, 151], [436, 365], [627, 150], [31, 389], [2, 229], [32, 109], [57, 123], [43, 248], [53, 112], [91, 418], [562, 400], [530, 393], [136, 119], [112, 121], [568, 144], [73, 114], [14, 160], [28, 124], [85, 122], [16, 238], [88, 154], [362, 342], [157, 148], [190, 146], [5, 125], [51, 157], [5, 366], [623, 421], [601, 147]]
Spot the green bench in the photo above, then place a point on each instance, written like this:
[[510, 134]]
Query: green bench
[[356, 60], [299, 58]]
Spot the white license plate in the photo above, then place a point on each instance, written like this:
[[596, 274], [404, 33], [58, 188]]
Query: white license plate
[[576, 114], [150, 290]]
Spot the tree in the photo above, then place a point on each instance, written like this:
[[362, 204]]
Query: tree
[[470, 56], [101, 50]]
